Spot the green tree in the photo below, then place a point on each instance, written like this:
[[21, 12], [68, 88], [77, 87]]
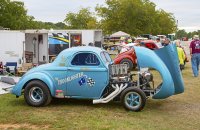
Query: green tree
[[166, 22], [13, 14], [135, 17], [61, 25], [189, 35], [180, 33], [84, 19]]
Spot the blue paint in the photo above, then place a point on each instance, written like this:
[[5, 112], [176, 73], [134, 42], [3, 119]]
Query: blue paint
[[82, 81], [169, 56], [164, 60], [71, 79], [133, 100], [89, 79]]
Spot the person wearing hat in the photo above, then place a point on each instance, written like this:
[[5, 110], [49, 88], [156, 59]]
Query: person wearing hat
[[121, 44], [195, 55]]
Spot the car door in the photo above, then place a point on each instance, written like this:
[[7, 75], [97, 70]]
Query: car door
[[87, 76]]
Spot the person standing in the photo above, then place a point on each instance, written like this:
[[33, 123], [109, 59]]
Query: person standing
[[158, 43], [129, 40], [166, 42], [122, 43], [181, 54], [195, 55]]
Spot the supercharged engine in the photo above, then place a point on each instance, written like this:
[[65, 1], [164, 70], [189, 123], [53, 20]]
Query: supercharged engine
[[146, 82], [119, 73], [146, 76]]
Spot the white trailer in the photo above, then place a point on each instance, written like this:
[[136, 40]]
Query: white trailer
[[11, 47], [89, 36], [39, 46]]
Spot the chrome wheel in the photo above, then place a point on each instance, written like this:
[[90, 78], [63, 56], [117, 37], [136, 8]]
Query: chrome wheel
[[127, 63], [36, 94], [133, 100]]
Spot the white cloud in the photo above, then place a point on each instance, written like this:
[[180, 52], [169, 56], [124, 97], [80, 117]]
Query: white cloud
[[55, 11], [190, 29], [187, 12]]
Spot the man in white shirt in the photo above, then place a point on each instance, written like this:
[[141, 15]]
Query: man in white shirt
[[158, 43]]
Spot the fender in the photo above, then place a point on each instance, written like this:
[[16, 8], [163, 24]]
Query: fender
[[130, 58], [126, 55], [165, 60], [116, 60], [45, 77], [169, 56], [148, 59]]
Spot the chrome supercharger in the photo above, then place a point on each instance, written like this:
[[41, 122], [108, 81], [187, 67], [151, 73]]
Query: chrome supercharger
[[119, 73]]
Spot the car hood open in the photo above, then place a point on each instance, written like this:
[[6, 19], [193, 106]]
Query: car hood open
[[165, 61]]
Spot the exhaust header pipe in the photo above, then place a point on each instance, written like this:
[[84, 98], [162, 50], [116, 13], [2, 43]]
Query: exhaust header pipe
[[118, 90]]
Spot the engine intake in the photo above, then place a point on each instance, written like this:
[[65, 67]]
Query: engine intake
[[119, 73]]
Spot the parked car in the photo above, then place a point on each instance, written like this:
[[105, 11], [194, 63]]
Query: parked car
[[129, 57], [89, 73]]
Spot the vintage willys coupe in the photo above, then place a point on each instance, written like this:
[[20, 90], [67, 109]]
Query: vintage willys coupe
[[89, 73]]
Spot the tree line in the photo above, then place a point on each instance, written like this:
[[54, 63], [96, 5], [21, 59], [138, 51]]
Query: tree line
[[182, 33], [132, 16]]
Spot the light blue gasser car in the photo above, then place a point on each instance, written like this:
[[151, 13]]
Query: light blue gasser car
[[89, 73]]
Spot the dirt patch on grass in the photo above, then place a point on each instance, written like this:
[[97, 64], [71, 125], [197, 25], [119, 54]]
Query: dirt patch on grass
[[24, 126]]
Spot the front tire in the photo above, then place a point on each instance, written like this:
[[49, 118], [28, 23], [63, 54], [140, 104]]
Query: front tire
[[37, 94], [133, 99]]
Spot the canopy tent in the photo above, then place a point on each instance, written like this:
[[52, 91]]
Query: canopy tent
[[120, 34]]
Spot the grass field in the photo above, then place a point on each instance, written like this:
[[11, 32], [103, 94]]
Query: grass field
[[179, 112]]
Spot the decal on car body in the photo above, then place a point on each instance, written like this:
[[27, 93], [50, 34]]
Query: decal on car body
[[68, 79], [85, 80], [91, 82]]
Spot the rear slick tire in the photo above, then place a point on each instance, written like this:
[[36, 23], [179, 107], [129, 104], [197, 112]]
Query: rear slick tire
[[37, 94]]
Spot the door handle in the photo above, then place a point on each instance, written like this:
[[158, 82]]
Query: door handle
[[69, 69]]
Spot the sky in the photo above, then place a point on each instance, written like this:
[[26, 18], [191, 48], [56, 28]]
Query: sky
[[187, 12]]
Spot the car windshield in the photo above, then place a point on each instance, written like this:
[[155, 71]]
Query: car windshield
[[106, 57]]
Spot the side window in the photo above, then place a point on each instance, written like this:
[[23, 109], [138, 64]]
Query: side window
[[86, 59]]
